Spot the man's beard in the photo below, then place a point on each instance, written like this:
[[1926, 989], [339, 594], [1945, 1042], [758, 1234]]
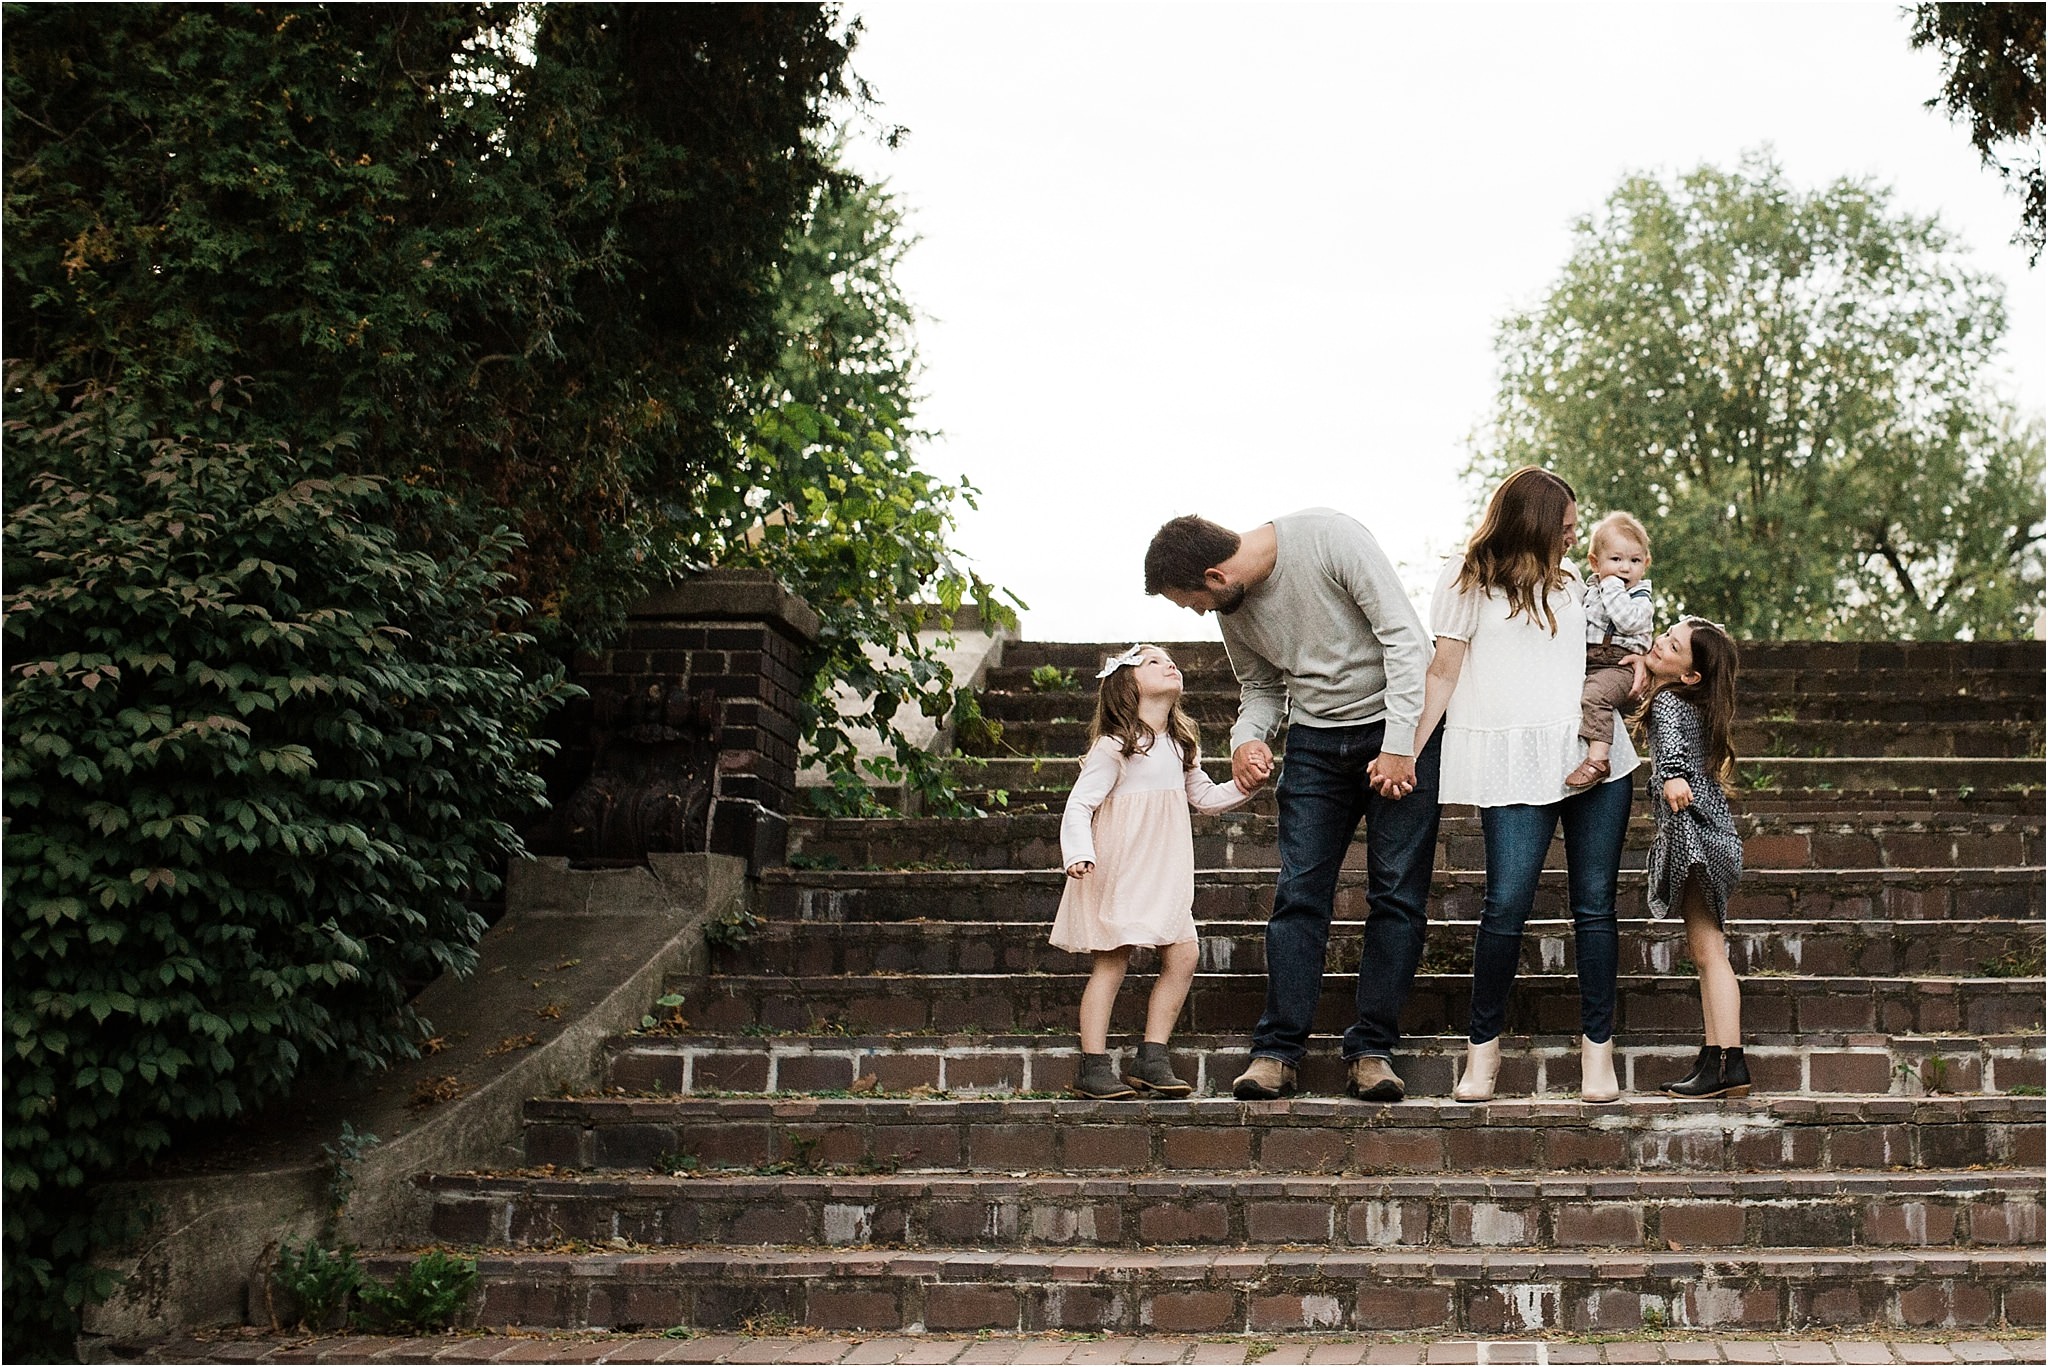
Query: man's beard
[[1225, 605]]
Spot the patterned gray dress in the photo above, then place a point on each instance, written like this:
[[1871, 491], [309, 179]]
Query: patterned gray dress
[[1701, 839]]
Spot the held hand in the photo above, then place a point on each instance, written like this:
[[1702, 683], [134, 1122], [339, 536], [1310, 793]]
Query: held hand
[[1251, 764], [1677, 794], [1080, 868], [1635, 664], [1392, 776]]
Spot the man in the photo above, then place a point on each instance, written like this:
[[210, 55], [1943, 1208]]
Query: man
[[1321, 636]]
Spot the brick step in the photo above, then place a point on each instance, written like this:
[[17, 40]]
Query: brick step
[[1439, 1003], [1892, 657], [1247, 894], [1612, 1212], [1910, 781], [1771, 839], [1213, 702], [1938, 738], [984, 1064], [1234, 1290], [1971, 949], [1298, 1135]]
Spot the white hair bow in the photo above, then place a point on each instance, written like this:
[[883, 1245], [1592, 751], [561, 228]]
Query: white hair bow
[[1130, 657]]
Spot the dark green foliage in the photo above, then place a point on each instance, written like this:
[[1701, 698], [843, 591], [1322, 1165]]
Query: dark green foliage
[[318, 1282], [542, 285], [1787, 387], [258, 758], [1994, 54], [430, 1294]]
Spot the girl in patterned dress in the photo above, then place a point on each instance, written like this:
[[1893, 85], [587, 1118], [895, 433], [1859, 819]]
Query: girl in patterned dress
[[1697, 857], [1129, 853]]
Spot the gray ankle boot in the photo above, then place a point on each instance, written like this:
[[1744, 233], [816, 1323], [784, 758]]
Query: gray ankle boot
[[1098, 1080], [1154, 1074]]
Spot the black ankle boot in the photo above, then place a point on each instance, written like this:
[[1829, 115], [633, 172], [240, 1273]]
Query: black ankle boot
[[1154, 1074], [1726, 1075], [1098, 1080], [1706, 1064]]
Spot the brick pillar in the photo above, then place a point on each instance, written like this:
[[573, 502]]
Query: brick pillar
[[720, 658]]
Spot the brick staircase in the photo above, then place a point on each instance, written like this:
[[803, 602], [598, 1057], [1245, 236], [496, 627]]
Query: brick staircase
[[863, 1124]]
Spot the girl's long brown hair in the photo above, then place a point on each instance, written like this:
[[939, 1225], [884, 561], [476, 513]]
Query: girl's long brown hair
[[1520, 543], [1116, 714], [1716, 661]]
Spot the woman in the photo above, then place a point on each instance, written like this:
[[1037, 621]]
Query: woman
[[1505, 681]]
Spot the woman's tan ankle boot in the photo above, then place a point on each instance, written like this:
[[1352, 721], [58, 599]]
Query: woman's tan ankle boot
[[1482, 1065], [1596, 1071]]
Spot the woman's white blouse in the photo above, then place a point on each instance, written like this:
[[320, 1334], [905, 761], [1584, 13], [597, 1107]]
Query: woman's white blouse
[[1511, 734]]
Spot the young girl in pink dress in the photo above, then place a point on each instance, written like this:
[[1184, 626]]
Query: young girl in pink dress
[[1129, 852]]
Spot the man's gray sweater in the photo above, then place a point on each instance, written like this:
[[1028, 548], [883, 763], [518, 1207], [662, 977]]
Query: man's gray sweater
[[1329, 638]]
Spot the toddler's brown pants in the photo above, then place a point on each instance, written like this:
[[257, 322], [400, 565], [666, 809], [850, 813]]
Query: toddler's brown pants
[[1608, 685]]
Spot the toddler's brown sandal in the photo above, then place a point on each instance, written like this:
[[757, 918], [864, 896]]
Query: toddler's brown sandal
[[1589, 772]]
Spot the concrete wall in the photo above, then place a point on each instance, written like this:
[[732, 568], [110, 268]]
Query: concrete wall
[[594, 945]]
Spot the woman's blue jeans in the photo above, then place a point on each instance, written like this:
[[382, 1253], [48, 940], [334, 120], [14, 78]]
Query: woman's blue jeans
[[1323, 796], [1595, 826]]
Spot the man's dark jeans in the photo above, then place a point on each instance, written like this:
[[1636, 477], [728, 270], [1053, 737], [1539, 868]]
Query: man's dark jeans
[[1323, 796], [1517, 838]]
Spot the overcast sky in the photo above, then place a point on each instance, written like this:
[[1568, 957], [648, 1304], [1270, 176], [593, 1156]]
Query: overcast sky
[[1240, 259]]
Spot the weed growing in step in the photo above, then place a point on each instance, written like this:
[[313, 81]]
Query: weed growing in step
[[671, 1020], [803, 1161], [732, 927], [813, 862], [2025, 1089], [2014, 963], [429, 1295], [1931, 1076], [1053, 679], [318, 1283]]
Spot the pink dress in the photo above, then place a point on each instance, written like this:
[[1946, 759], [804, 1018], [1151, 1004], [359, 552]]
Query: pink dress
[[1129, 816]]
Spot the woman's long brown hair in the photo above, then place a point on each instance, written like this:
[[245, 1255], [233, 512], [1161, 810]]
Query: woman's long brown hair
[[1520, 543], [1716, 661], [1116, 714]]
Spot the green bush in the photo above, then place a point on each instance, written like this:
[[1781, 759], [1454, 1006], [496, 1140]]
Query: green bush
[[428, 1295], [259, 757]]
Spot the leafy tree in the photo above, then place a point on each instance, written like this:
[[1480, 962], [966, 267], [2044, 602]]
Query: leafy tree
[[1994, 52], [827, 494], [1788, 387], [260, 757]]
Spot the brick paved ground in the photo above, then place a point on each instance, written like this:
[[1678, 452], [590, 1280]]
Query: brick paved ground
[[1026, 1350]]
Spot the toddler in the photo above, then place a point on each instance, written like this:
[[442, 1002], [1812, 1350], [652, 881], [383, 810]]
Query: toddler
[[1697, 856], [1129, 852], [1618, 622]]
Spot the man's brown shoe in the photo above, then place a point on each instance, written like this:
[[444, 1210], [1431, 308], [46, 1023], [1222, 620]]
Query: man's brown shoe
[[1374, 1079], [1267, 1079]]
